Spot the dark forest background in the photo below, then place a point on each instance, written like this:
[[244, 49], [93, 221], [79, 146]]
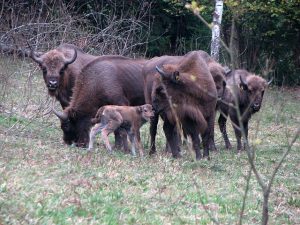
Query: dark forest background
[[264, 35]]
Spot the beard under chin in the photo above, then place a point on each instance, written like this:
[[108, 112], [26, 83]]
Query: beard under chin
[[52, 92]]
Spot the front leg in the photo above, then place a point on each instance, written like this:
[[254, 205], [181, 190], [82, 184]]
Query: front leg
[[246, 134], [138, 143], [196, 145], [222, 125], [238, 133], [153, 130], [172, 138], [132, 141]]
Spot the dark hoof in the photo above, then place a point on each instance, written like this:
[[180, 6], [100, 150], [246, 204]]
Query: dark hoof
[[198, 158], [152, 152], [206, 157], [177, 156], [229, 147]]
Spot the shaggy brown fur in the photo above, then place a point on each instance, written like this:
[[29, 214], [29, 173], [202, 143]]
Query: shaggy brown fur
[[248, 90], [59, 77], [110, 118], [193, 95], [149, 72], [104, 81]]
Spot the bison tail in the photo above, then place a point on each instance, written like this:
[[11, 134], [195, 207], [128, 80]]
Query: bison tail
[[98, 116]]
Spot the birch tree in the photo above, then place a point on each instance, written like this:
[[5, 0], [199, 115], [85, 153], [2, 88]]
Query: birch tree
[[217, 19]]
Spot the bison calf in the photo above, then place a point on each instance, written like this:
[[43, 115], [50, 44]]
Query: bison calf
[[111, 117]]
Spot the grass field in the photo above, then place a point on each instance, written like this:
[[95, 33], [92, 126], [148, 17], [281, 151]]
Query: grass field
[[43, 181]]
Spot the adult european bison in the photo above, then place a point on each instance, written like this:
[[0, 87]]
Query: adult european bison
[[247, 90], [60, 68], [185, 93], [149, 72], [104, 81]]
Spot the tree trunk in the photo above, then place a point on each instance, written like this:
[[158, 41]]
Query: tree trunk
[[217, 19], [234, 45]]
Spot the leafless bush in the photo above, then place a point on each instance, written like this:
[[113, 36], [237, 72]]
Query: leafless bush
[[103, 27]]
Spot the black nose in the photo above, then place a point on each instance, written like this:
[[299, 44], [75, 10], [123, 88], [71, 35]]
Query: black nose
[[52, 84], [256, 106]]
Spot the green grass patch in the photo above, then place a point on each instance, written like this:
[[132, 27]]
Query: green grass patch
[[43, 181]]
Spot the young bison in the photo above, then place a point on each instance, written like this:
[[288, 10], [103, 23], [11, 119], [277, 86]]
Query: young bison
[[111, 117], [248, 90]]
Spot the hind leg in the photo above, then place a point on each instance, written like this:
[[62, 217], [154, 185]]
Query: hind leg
[[94, 131], [109, 128]]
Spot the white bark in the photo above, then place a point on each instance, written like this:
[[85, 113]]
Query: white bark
[[217, 19]]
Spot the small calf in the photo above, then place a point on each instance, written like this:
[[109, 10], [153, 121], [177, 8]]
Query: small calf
[[111, 117]]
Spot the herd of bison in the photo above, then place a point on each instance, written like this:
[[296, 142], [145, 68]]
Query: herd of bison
[[117, 94]]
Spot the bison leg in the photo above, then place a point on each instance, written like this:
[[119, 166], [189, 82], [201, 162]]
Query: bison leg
[[94, 131], [205, 141], [238, 134], [121, 140], [172, 138], [138, 144], [246, 133], [211, 130], [196, 145], [109, 128], [222, 125], [131, 138], [104, 135], [83, 126], [153, 130]]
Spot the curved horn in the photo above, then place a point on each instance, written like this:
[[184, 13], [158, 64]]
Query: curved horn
[[270, 81], [242, 81], [61, 115], [35, 57], [67, 62], [162, 73]]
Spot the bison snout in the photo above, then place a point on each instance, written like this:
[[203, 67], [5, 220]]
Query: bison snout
[[52, 84], [256, 107]]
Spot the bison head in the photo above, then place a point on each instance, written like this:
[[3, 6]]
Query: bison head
[[75, 129], [146, 111], [253, 88], [53, 65]]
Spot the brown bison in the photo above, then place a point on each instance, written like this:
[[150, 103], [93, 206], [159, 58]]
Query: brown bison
[[247, 90], [104, 81], [149, 71], [60, 68], [185, 93], [111, 117]]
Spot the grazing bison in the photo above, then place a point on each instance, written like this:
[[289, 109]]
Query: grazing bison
[[247, 90], [185, 93], [111, 117], [60, 68], [149, 71], [104, 81]]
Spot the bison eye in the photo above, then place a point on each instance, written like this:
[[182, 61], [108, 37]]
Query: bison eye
[[262, 93], [44, 69], [61, 72]]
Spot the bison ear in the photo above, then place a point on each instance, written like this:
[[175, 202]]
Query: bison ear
[[243, 84], [227, 70], [176, 76], [139, 109]]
